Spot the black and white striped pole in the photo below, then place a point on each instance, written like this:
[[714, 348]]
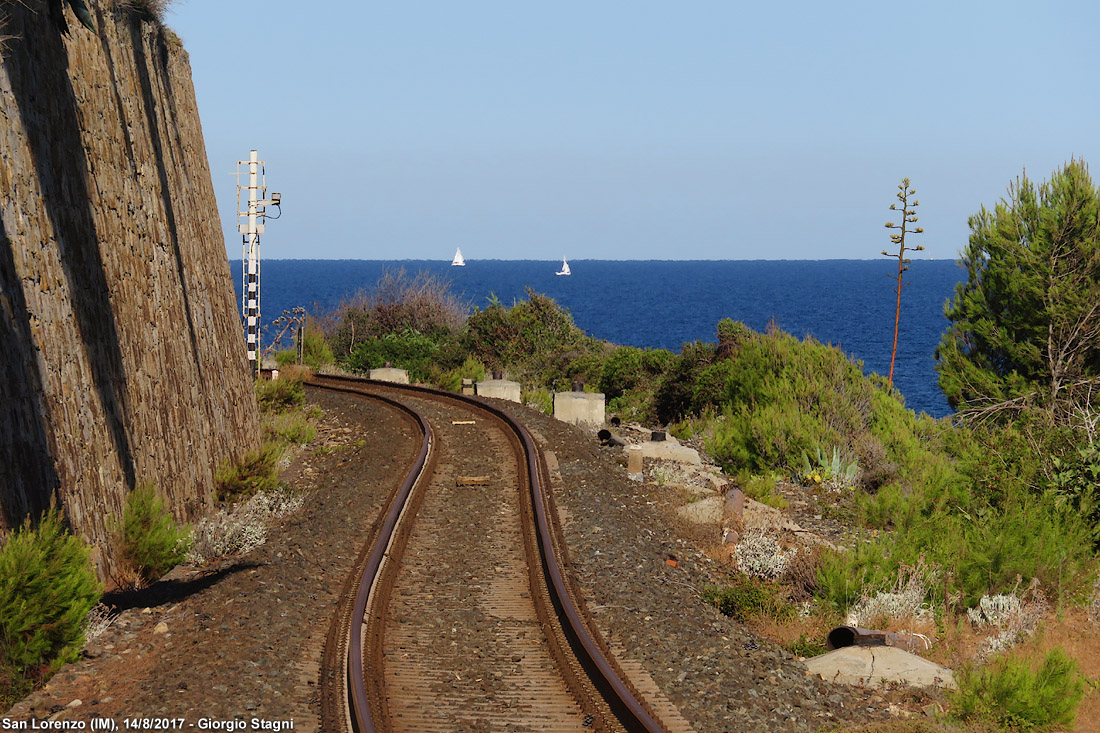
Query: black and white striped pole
[[250, 224]]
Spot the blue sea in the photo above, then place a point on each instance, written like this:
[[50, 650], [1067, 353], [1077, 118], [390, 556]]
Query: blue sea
[[665, 303]]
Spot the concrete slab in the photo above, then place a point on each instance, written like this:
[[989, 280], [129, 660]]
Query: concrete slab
[[390, 374], [670, 450], [706, 511], [871, 666], [502, 389], [580, 408]]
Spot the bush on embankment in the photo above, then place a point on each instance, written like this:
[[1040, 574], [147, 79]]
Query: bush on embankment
[[409, 350], [766, 403], [535, 341], [980, 503], [47, 588], [284, 423], [152, 541], [280, 395], [1016, 694], [310, 348], [777, 401]]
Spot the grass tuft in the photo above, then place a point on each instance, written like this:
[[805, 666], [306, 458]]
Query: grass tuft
[[747, 598]]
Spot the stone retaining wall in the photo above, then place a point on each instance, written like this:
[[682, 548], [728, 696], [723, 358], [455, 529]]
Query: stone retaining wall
[[122, 360]]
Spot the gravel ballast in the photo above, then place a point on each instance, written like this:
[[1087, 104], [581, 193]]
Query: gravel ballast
[[242, 639]]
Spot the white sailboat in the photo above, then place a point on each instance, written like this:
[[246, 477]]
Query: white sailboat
[[564, 268], [458, 261]]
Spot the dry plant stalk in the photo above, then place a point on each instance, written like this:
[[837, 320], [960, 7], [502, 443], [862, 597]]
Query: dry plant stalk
[[908, 216]]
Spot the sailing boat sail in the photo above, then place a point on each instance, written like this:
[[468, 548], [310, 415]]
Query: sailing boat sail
[[564, 268], [458, 261]]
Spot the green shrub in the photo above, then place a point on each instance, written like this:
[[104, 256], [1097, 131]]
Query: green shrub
[[535, 338], [47, 587], [316, 352], [747, 598], [629, 378], [152, 541], [492, 337], [280, 395], [636, 406], [1029, 536], [675, 399], [806, 646], [540, 399], [780, 400], [891, 506], [628, 368], [761, 489], [1011, 694], [256, 472], [409, 349], [682, 430], [1075, 481], [292, 428], [978, 549], [844, 577], [471, 369]]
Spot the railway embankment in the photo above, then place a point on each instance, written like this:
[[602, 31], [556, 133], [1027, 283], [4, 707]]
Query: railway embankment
[[242, 639]]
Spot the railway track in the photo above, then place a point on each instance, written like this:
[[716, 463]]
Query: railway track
[[458, 614]]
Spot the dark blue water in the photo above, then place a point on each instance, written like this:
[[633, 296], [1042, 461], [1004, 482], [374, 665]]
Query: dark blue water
[[664, 304]]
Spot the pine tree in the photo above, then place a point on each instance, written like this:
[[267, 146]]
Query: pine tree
[[1025, 325]]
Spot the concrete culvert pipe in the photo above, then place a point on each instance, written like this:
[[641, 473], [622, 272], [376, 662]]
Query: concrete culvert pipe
[[607, 437], [843, 636]]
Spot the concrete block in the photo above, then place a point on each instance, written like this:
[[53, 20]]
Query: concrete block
[[390, 374], [502, 389], [579, 408], [734, 510], [634, 463], [873, 666], [670, 450]]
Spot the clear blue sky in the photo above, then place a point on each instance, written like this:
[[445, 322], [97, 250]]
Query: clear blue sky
[[640, 130]]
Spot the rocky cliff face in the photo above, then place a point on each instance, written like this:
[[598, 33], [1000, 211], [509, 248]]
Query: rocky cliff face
[[122, 361]]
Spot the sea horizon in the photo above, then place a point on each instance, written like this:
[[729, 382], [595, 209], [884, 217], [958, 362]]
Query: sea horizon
[[665, 304], [880, 258]]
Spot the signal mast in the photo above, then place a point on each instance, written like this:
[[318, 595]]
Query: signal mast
[[250, 224]]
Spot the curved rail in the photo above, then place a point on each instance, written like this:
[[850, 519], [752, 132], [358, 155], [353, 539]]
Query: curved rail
[[624, 704], [359, 713]]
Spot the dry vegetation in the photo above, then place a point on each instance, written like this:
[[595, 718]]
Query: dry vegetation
[[151, 9]]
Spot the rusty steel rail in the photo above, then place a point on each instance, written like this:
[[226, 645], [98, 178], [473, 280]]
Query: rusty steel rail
[[631, 712], [358, 710]]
